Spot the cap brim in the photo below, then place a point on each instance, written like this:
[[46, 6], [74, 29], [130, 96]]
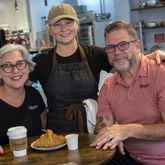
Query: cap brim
[[56, 19]]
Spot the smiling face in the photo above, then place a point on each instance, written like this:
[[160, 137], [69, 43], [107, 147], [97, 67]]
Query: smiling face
[[64, 31], [17, 77], [124, 56]]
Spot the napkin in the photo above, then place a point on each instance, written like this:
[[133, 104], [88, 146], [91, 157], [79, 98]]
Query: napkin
[[91, 108]]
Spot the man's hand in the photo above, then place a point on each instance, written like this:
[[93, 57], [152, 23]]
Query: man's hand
[[111, 137], [121, 148], [158, 56]]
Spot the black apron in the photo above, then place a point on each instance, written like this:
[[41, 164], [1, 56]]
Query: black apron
[[68, 85]]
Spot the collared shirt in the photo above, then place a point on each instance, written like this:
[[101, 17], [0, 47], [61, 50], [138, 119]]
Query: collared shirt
[[141, 102]]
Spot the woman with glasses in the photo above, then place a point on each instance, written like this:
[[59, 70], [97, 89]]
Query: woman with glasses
[[69, 73], [19, 104]]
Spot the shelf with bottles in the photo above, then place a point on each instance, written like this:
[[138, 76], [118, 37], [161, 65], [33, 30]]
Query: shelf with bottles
[[137, 5], [153, 27], [148, 7], [148, 21], [150, 25]]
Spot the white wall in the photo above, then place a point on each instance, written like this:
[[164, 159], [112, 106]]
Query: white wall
[[122, 10], [36, 11], [17, 20]]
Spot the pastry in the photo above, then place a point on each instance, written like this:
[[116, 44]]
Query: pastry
[[49, 139]]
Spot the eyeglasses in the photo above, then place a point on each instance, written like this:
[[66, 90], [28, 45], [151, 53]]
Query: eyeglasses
[[65, 24], [8, 67], [124, 45]]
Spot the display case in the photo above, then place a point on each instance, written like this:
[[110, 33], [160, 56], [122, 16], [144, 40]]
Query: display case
[[85, 34], [19, 37], [44, 40], [93, 32]]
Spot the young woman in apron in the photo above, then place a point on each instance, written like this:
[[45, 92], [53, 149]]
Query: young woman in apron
[[69, 72], [68, 85]]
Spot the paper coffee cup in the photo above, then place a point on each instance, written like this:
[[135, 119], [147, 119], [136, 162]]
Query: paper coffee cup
[[72, 141], [18, 140]]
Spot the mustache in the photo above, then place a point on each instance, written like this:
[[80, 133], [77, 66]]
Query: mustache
[[131, 60]]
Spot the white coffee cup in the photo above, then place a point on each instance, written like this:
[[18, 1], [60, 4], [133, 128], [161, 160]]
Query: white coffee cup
[[72, 141], [18, 140]]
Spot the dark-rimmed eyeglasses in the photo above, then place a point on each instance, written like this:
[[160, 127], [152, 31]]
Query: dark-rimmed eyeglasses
[[8, 67], [124, 45]]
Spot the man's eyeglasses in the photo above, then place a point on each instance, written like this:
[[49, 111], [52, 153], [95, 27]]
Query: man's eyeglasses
[[8, 67], [124, 45], [65, 24]]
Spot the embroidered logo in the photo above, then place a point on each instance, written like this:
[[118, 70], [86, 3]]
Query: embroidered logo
[[33, 107]]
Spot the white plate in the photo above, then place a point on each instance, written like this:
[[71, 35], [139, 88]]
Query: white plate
[[47, 149]]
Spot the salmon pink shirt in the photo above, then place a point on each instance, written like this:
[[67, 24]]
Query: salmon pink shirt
[[141, 102]]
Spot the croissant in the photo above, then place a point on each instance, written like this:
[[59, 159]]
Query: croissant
[[49, 139]]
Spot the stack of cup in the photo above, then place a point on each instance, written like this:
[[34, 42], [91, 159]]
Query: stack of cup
[[18, 140]]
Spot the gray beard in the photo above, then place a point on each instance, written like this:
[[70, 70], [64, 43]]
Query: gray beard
[[131, 61]]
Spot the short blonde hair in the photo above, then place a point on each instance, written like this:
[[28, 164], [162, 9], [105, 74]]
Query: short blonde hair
[[25, 54]]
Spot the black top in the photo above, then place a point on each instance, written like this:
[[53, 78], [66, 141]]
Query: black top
[[96, 57], [28, 115]]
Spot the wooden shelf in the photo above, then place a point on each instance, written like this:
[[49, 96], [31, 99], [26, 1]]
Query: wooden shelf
[[145, 27], [148, 7], [154, 27]]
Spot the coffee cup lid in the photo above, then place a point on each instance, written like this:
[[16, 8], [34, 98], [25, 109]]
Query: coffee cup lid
[[16, 130]]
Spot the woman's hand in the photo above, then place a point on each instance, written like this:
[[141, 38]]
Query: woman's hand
[[158, 56], [1, 150]]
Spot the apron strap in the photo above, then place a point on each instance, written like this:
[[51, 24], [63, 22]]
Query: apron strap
[[82, 53], [54, 56], [74, 112]]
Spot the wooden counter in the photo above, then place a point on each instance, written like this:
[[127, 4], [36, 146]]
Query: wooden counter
[[85, 155]]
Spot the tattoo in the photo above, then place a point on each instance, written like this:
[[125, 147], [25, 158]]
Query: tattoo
[[100, 124], [100, 119], [107, 117], [99, 127]]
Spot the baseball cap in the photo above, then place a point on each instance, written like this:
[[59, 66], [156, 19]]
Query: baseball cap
[[60, 11]]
